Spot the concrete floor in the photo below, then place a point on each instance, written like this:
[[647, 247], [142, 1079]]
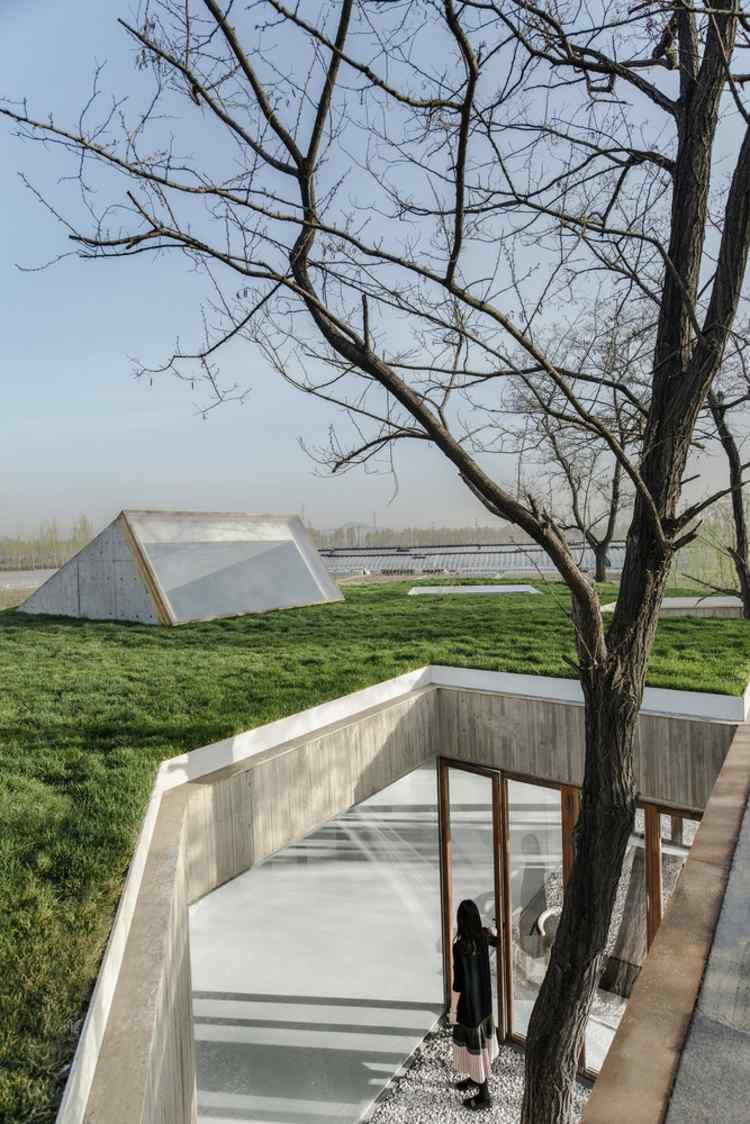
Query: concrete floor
[[317, 973]]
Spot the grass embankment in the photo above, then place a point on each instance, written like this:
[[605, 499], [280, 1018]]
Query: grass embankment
[[87, 711]]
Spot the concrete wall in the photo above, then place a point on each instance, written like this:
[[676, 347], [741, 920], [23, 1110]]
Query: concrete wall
[[714, 1072], [678, 758], [245, 812], [146, 1068], [102, 583], [211, 828], [724, 611]]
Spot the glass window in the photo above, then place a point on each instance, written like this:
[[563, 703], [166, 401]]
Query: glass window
[[677, 835], [473, 851], [536, 889], [626, 949]]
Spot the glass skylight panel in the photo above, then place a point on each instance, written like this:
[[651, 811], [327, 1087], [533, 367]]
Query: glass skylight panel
[[209, 566]]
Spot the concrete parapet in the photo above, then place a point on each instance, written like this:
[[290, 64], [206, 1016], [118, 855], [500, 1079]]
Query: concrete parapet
[[146, 1068]]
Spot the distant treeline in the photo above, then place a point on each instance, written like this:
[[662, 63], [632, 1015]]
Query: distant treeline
[[49, 548], [707, 559], [360, 534]]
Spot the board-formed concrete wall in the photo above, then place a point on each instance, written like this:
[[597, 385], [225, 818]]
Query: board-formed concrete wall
[[678, 759], [245, 812], [146, 1068], [213, 827], [101, 583]]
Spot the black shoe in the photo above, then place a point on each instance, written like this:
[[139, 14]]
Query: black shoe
[[476, 1104], [467, 1083]]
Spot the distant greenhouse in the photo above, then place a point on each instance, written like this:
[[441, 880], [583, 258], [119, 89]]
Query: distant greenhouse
[[467, 561]]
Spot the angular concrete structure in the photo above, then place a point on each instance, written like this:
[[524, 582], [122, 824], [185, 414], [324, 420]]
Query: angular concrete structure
[[168, 567], [224, 809], [706, 606], [470, 590]]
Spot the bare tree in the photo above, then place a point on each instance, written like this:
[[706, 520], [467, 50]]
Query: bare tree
[[581, 479], [722, 405], [588, 496], [396, 196], [594, 485], [724, 422]]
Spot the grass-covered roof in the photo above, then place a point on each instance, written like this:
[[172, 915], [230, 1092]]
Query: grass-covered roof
[[88, 710]]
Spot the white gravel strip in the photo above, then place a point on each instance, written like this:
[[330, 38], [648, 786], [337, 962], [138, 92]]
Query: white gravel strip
[[422, 1092]]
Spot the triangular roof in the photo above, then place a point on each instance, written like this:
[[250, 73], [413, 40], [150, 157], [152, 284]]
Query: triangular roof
[[177, 566]]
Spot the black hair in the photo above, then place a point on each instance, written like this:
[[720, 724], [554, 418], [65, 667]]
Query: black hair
[[469, 925]]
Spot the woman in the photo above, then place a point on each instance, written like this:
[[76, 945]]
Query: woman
[[474, 1037]]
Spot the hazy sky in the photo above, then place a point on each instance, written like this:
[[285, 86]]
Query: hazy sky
[[79, 434]]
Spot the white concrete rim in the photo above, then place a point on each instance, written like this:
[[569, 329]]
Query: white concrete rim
[[698, 705]]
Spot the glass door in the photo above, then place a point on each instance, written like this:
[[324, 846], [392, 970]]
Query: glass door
[[471, 841], [507, 843], [535, 885]]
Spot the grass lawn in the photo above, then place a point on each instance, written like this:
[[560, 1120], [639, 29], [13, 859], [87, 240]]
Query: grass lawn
[[87, 712]]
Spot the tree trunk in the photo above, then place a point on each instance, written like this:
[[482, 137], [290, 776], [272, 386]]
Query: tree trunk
[[743, 577], [613, 677], [601, 562], [739, 551], [558, 1021]]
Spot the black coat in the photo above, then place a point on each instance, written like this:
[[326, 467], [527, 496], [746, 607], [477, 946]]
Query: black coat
[[471, 979]]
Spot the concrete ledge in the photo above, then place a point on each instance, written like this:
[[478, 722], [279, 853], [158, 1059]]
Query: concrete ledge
[[637, 1079], [468, 590], [716, 1054], [699, 705], [146, 1067], [78, 1085], [200, 762], [708, 606]]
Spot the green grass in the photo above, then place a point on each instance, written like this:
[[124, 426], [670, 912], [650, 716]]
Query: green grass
[[87, 711]]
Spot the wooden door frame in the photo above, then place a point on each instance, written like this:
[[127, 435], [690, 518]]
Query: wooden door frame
[[569, 811], [445, 764]]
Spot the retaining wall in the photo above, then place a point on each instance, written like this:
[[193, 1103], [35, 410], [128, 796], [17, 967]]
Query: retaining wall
[[677, 760]]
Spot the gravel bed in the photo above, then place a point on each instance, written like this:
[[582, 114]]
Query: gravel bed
[[422, 1093]]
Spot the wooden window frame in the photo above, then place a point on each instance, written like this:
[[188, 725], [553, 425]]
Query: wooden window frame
[[569, 811]]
